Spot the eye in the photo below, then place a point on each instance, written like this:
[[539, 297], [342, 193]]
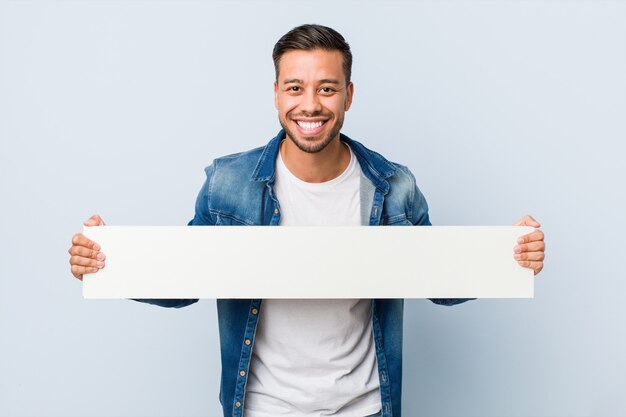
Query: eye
[[294, 88], [327, 90]]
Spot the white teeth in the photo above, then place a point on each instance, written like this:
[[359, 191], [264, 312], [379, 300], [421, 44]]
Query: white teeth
[[309, 125]]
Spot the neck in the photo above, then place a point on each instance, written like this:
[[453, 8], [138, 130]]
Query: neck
[[317, 167]]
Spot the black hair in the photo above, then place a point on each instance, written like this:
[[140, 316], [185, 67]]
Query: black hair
[[309, 37]]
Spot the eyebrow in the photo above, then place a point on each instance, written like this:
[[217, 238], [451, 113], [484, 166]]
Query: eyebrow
[[299, 81]]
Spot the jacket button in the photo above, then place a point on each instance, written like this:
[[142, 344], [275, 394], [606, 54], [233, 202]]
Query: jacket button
[[237, 404], [242, 372], [254, 311], [275, 211], [247, 342]]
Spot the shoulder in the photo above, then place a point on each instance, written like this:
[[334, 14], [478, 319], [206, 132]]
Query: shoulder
[[379, 166], [230, 195], [399, 177], [240, 163], [403, 178], [404, 202]]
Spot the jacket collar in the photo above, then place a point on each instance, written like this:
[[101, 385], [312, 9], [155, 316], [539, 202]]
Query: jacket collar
[[373, 165]]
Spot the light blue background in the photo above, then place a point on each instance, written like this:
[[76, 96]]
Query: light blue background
[[499, 108]]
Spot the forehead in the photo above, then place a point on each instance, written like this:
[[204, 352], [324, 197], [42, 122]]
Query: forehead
[[311, 65]]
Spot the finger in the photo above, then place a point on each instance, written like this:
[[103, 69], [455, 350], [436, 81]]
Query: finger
[[75, 269], [78, 271], [530, 256], [81, 240], [80, 261], [536, 266], [535, 236], [535, 246], [527, 220], [94, 220], [86, 253]]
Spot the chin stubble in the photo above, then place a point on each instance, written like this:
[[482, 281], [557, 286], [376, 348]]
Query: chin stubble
[[311, 148]]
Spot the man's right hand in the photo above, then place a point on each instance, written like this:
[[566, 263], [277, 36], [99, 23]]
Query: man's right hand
[[85, 255]]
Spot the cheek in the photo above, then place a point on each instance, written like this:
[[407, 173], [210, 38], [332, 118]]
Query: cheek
[[286, 104], [336, 105]]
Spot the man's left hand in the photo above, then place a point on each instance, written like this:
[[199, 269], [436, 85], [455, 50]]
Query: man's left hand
[[530, 249]]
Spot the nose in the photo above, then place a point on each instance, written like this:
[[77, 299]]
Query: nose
[[310, 103]]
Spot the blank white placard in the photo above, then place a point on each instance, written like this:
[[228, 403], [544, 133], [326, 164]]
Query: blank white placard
[[308, 262]]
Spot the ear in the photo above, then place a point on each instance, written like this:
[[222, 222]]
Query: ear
[[349, 94], [276, 94]]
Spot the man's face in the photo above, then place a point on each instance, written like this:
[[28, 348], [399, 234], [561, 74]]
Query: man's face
[[311, 97]]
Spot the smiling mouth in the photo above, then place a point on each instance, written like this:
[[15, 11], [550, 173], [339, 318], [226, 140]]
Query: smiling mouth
[[310, 127]]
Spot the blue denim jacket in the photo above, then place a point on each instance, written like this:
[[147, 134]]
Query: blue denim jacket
[[238, 191]]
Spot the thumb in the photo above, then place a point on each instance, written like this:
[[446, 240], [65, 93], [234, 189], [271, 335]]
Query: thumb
[[94, 220], [527, 220]]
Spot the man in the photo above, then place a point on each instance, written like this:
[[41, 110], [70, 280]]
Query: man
[[310, 357]]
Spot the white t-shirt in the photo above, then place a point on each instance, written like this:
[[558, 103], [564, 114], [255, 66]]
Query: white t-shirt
[[314, 357]]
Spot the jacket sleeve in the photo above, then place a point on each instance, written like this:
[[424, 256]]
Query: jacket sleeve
[[419, 217], [418, 206], [202, 217]]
